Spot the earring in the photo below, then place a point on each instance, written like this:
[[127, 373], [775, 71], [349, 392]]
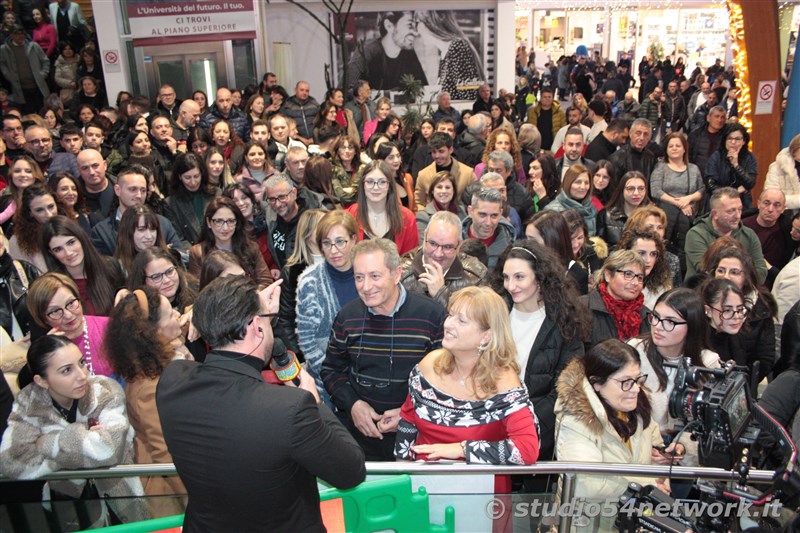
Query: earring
[[482, 348]]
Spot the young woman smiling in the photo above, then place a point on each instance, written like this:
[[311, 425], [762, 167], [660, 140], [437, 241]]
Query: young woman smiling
[[576, 193]]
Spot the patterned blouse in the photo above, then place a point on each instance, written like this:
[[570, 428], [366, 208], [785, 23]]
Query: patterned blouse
[[498, 430]]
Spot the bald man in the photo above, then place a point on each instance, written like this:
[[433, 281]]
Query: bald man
[[223, 108]]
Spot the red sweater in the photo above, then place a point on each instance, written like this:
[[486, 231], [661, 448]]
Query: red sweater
[[406, 239]]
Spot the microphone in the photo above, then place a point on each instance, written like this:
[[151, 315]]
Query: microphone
[[284, 363]]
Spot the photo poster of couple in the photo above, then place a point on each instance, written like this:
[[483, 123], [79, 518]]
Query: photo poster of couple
[[446, 50]]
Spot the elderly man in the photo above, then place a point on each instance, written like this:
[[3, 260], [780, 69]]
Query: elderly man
[[438, 268], [441, 147], [705, 140], [699, 98], [375, 342], [725, 219], [472, 142], [168, 102], [386, 59], [635, 155], [446, 110], [302, 107], [39, 144], [279, 140], [483, 103], [223, 108], [486, 223], [773, 227], [362, 107]]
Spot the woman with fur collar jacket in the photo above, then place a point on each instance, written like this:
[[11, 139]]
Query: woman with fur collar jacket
[[784, 173], [603, 416], [65, 419]]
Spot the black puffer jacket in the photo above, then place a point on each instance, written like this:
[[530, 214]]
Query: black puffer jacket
[[285, 326], [790, 340]]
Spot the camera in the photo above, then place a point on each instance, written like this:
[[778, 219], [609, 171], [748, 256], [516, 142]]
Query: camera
[[717, 405]]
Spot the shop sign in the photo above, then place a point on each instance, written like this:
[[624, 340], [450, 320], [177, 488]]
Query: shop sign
[[765, 98], [154, 22]]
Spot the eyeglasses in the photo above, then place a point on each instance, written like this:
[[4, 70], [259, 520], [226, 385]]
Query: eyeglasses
[[629, 275], [727, 314], [446, 248], [159, 277], [219, 223], [735, 139], [280, 198], [627, 384], [71, 306], [667, 324], [339, 244], [376, 184]]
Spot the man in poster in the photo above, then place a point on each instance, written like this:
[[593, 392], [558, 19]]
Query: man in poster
[[386, 59]]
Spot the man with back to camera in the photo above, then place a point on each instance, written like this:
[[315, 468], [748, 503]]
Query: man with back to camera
[[249, 451], [386, 59]]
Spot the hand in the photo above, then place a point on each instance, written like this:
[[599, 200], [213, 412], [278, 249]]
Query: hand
[[172, 144], [271, 296], [182, 147], [364, 418], [688, 210], [538, 188], [389, 421], [440, 451], [432, 278], [275, 273], [740, 189], [733, 156], [24, 342], [187, 326], [307, 383], [662, 484]]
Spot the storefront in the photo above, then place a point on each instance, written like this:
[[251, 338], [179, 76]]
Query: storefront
[[696, 32]]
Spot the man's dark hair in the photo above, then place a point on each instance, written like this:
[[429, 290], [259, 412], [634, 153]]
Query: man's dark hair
[[134, 169], [391, 16], [545, 90], [10, 117], [71, 129], [326, 133], [259, 122], [445, 121], [598, 107], [574, 130], [440, 139], [618, 125], [97, 125], [224, 308]]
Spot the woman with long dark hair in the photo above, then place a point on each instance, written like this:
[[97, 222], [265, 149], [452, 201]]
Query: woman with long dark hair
[[378, 211], [726, 311], [550, 229], [189, 195], [403, 182], [38, 206], [543, 180], [346, 157], [159, 269], [70, 196], [140, 152], [548, 324], [256, 168], [630, 194], [225, 228], [651, 248], [326, 116], [139, 229], [68, 250], [604, 183], [225, 138], [24, 173], [65, 417], [254, 215]]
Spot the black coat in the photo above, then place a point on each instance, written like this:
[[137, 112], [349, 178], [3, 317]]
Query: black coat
[[758, 338], [603, 326], [285, 327], [790, 340], [181, 214], [248, 451], [549, 355], [13, 292]]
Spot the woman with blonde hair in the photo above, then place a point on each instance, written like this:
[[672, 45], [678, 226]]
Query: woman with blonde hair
[[383, 106], [784, 173], [502, 139], [473, 378]]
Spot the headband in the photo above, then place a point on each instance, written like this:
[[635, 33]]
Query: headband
[[141, 297], [525, 250]]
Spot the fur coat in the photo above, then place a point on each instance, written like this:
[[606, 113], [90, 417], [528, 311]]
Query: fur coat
[[39, 441], [782, 174]]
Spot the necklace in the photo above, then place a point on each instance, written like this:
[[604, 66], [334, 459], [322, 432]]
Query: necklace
[[462, 379], [87, 349]]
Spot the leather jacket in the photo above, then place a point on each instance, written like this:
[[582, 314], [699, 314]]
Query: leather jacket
[[14, 291]]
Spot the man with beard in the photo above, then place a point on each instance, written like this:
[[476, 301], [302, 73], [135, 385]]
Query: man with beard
[[387, 59], [40, 145]]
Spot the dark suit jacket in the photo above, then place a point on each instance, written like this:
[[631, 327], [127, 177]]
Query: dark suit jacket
[[248, 451]]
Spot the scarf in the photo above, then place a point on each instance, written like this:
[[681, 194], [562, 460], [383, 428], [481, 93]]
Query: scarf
[[626, 313]]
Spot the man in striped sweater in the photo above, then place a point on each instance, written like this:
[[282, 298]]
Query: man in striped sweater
[[375, 342]]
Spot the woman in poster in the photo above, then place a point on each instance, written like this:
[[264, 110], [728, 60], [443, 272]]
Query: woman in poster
[[459, 63]]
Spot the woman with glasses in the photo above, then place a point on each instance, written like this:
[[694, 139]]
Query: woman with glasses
[[324, 288], [55, 305], [254, 216], [758, 334], [548, 324], [225, 229], [733, 165], [158, 269], [346, 157], [189, 195], [378, 211], [726, 311], [143, 336], [677, 330], [68, 250], [603, 415], [67, 417], [403, 182], [631, 193], [616, 302], [650, 247]]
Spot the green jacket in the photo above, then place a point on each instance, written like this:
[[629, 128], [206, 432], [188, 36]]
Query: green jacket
[[702, 234]]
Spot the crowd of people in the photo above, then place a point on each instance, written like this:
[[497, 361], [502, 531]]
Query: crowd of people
[[500, 285]]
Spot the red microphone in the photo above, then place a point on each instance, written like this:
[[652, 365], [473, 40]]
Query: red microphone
[[284, 363]]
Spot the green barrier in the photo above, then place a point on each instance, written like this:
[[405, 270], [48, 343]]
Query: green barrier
[[389, 504], [146, 526]]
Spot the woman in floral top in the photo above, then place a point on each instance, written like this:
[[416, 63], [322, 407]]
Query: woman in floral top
[[465, 400]]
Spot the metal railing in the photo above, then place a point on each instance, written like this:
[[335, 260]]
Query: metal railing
[[567, 471]]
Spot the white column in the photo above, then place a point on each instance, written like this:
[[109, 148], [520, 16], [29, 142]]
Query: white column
[[109, 36], [504, 45]]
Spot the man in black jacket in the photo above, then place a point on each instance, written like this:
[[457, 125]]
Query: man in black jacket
[[635, 155], [249, 451]]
